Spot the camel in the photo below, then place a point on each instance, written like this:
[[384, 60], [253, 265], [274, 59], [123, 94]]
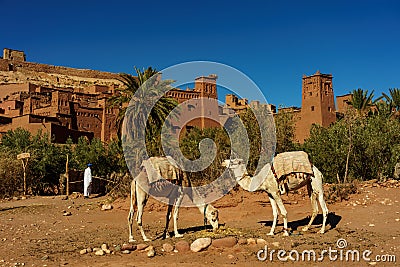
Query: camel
[[139, 199], [266, 181]]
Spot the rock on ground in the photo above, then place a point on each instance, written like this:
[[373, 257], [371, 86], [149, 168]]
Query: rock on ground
[[129, 247], [150, 251], [200, 244], [141, 246], [182, 246], [167, 247], [226, 242]]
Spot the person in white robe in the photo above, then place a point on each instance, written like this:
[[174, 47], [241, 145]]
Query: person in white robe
[[87, 181]]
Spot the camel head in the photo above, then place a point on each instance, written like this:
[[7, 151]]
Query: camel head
[[212, 217], [238, 167]]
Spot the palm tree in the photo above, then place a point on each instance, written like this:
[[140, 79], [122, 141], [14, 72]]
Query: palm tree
[[361, 101], [130, 86], [393, 98]]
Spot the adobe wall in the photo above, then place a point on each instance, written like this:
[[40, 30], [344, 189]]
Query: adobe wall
[[341, 103], [54, 76], [9, 89]]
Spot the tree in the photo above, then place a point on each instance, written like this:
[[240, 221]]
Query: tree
[[130, 86], [362, 101], [46, 162], [143, 111], [393, 98], [285, 132]]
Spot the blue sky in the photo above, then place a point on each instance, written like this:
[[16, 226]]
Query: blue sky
[[273, 42]]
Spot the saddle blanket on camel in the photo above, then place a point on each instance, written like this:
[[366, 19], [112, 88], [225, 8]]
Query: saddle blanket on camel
[[290, 163], [162, 174]]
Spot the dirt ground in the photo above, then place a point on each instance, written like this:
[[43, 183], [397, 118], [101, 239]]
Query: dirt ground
[[35, 232]]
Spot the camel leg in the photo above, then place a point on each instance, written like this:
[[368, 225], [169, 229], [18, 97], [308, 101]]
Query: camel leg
[[141, 198], [324, 211], [274, 213], [167, 219], [132, 211], [130, 223], [316, 184], [314, 206], [283, 213], [176, 210]]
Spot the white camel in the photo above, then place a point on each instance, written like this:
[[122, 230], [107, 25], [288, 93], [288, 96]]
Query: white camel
[[265, 181], [139, 199]]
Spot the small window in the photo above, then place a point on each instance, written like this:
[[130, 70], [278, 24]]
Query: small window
[[310, 93], [312, 108]]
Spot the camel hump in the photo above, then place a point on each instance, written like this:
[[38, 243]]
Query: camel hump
[[292, 162]]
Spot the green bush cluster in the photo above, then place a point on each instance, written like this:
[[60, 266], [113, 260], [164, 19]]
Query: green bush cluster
[[368, 147], [48, 160]]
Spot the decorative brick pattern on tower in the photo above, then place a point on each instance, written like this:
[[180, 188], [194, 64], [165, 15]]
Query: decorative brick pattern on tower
[[318, 104]]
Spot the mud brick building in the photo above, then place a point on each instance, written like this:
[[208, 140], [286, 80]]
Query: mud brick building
[[62, 102], [67, 102], [199, 105], [318, 104]]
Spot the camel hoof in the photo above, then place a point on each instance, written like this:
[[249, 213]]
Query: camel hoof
[[131, 240], [166, 236], [321, 231], [146, 239], [305, 229], [270, 234], [178, 235], [285, 234]]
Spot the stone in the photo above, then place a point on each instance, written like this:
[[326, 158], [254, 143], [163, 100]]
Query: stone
[[83, 251], [104, 247], [129, 247], [118, 248], [167, 247], [96, 249], [231, 257], [45, 257], [99, 252], [261, 241], [68, 213], [182, 246], [107, 251], [242, 241], [251, 241], [106, 207], [150, 251], [200, 244], [225, 242], [125, 252], [275, 244], [141, 246], [65, 197]]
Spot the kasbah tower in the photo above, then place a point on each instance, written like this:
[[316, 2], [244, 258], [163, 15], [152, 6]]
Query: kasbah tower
[[318, 104]]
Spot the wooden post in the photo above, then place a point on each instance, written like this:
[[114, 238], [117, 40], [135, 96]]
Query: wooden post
[[23, 156], [67, 176]]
